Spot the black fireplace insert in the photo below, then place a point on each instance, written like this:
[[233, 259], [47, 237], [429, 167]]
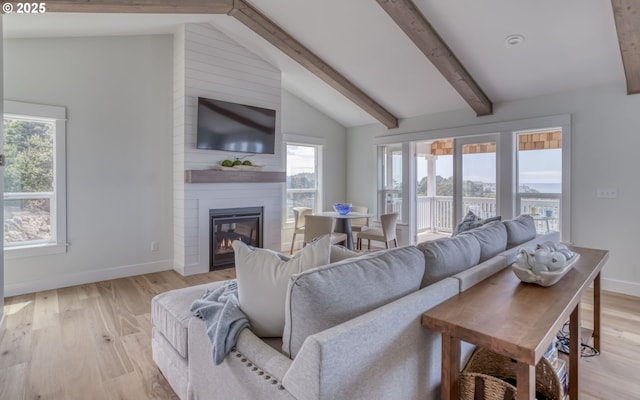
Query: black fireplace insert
[[227, 225]]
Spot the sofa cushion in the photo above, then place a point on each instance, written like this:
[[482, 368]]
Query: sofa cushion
[[520, 230], [492, 238], [324, 297], [448, 256], [174, 367], [263, 277], [170, 313]]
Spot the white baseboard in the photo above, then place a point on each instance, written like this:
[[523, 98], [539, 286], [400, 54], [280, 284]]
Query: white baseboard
[[180, 269], [623, 287], [3, 320], [81, 278], [193, 269]]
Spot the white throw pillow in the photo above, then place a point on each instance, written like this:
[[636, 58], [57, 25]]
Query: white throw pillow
[[339, 253], [263, 278]]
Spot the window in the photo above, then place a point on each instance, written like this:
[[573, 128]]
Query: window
[[390, 192], [478, 176], [504, 169], [34, 179], [303, 177], [539, 177]]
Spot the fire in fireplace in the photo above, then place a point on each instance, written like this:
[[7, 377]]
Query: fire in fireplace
[[227, 225]]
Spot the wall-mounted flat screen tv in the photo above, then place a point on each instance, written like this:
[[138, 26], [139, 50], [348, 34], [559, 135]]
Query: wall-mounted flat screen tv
[[235, 127]]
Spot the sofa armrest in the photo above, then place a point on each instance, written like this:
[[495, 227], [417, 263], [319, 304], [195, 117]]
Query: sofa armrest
[[262, 355], [236, 377], [383, 354]]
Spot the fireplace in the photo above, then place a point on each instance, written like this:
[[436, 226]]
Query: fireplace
[[227, 225]]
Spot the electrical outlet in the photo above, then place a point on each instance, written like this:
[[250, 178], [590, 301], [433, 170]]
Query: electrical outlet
[[155, 246], [607, 193]]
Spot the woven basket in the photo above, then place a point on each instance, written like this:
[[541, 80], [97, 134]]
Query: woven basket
[[499, 372], [475, 386]]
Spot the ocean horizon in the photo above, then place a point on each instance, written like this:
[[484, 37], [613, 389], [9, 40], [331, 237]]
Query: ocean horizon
[[545, 187]]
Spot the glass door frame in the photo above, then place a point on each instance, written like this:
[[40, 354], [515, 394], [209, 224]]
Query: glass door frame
[[458, 144], [507, 160]]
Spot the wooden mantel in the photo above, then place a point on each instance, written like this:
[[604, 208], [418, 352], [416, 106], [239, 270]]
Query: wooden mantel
[[215, 176]]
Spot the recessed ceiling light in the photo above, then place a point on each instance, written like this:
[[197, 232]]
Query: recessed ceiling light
[[514, 40]]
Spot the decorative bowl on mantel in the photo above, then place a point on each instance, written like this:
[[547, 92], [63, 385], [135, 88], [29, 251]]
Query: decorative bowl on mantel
[[342, 208], [219, 167]]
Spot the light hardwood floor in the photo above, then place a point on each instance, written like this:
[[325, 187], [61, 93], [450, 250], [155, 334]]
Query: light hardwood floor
[[93, 342], [87, 342]]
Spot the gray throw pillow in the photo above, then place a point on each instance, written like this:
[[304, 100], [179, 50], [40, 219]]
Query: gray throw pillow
[[491, 219], [472, 221], [520, 230], [469, 221]]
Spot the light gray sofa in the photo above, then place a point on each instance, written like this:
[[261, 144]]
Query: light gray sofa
[[352, 328]]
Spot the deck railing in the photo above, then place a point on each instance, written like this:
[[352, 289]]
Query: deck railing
[[436, 213]]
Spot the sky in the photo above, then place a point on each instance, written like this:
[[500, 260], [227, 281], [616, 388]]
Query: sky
[[300, 159], [536, 166]]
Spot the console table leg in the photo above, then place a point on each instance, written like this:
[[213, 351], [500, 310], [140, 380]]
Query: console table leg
[[526, 381], [575, 347], [450, 367], [596, 312]]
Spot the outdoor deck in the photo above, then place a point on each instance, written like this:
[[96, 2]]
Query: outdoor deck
[[435, 213]]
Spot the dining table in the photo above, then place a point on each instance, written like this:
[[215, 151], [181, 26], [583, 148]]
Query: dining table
[[343, 223]]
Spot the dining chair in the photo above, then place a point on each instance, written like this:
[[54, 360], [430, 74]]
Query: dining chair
[[299, 215], [386, 234], [360, 224], [319, 225]]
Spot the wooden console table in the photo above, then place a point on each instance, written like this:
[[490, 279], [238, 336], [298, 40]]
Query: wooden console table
[[518, 320]]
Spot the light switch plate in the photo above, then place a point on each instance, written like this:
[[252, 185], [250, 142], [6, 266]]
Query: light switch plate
[[607, 193]]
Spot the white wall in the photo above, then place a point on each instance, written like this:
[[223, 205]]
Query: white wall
[[605, 143], [300, 119], [118, 96]]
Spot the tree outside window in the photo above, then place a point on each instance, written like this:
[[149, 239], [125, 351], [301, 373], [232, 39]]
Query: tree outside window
[[28, 180]]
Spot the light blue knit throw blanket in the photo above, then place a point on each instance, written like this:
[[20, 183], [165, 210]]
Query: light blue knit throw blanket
[[220, 310]]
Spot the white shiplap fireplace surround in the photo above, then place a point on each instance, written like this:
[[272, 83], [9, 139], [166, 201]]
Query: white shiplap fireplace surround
[[209, 64]]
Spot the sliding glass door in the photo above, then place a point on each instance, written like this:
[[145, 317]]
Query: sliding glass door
[[454, 176], [434, 190], [522, 168], [476, 177]]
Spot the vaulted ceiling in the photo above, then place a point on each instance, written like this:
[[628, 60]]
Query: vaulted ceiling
[[361, 61]]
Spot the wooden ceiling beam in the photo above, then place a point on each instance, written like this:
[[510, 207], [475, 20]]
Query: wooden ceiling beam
[[273, 34], [420, 31], [627, 16], [139, 6]]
